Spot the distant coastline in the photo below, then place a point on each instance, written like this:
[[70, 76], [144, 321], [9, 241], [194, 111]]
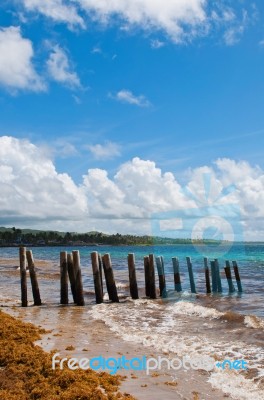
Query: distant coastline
[[15, 237]]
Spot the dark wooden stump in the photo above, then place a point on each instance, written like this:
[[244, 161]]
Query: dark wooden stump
[[23, 276], [96, 278], [132, 276], [64, 299], [78, 278], [109, 278], [33, 278]]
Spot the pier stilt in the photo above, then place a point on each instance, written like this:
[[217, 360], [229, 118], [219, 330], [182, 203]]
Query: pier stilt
[[78, 278], [238, 281], [214, 277], [71, 275], [96, 277], [132, 276], [218, 276], [191, 277], [33, 278], [152, 283], [23, 276], [109, 278], [161, 274], [207, 275], [229, 277], [176, 271], [64, 298], [146, 271]]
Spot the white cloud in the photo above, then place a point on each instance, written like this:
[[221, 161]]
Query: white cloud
[[58, 10], [105, 151], [156, 44], [234, 33], [152, 15], [17, 71], [60, 70], [33, 193], [126, 96], [32, 189]]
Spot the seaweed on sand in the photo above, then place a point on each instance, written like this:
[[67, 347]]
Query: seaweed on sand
[[26, 372]]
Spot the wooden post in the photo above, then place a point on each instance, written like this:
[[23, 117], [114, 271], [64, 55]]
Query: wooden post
[[78, 278], [152, 283], [207, 275], [109, 278], [162, 283], [218, 276], [71, 276], [23, 276], [132, 276], [101, 273], [146, 271], [162, 263], [214, 277], [177, 277], [96, 277], [238, 281], [190, 270], [64, 299], [229, 277], [33, 278]]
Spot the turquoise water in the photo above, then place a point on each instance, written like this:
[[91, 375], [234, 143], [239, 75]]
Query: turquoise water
[[250, 258]]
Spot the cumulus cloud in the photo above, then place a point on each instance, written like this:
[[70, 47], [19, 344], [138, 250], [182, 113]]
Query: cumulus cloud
[[60, 70], [126, 96], [17, 71], [58, 10], [105, 151], [33, 193], [178, 18], [32, 189]]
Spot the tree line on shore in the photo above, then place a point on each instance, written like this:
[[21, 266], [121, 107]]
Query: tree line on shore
[[15, 237]]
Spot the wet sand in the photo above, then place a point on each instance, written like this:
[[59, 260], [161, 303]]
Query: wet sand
[[70, 327]]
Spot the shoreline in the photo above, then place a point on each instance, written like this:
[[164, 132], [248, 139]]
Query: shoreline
[[72, 335]]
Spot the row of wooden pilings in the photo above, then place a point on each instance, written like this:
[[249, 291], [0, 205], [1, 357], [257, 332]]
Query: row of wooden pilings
[[70, 272]]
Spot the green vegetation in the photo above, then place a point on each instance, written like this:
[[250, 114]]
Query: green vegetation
[[16, 237]]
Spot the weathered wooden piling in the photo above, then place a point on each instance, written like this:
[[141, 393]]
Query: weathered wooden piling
[[161, 274], [151, 277], [207, 275], [132, 276], [218, 276], [23, 276], [71, 275], [214, 277], [190, 270], [162, 263], [229, 277], [78, 278], [64, 298], [238, 281], [109, 278], [101, 272], [96, 277], [146, 272], [33, 278], [176, 271]]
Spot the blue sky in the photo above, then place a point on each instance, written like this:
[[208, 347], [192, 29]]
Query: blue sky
[[93, 84]]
